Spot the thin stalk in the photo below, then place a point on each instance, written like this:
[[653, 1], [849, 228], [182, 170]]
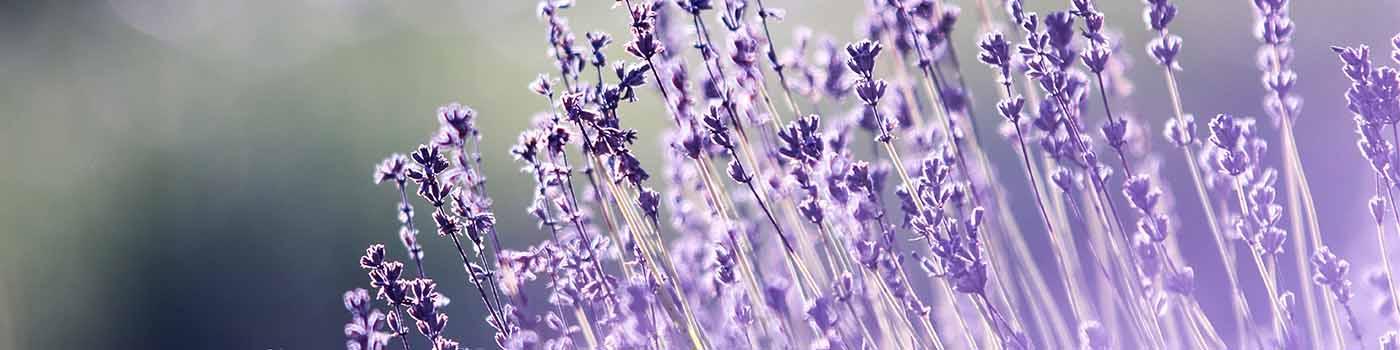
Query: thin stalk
[[1385, 249], [1298, 188], [742, 249], [666, 98], [702, 34], [1040, 203], [479, 187], [773, 58], [1201, 193], [1102, 188], [398, 330], [1265, 273], [573, 199], [554, 234], [1337, 334], [416, 251], [466, 265], [587, 329], [952, 302], [935, 91], [864, 329]]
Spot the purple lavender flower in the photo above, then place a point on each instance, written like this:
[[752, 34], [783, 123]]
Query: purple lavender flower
[[862, 60], [363, 332], [714, 255], [1158, 14], [1329, 271], [644, 44]]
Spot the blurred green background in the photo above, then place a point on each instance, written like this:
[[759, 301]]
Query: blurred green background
[[196, 173]]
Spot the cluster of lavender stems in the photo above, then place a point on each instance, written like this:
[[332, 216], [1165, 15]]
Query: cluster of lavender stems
[[773, 228]]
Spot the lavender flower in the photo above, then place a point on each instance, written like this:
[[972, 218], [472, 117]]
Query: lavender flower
[[1330, 272], [615, 277], [363, 332]]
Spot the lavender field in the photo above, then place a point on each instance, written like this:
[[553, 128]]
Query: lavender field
[[707, 174]]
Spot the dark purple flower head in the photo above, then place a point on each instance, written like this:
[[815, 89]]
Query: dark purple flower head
[[1181, 134], [1165, 49], [996, 52], [1141, 194], [1375, 93], [718, 131], [1011, 108], [649, 200], [1060, 26], [801, 140], [392, 168], [627, 168], [459, 119], [576, 108], [725, 261], [1272, 25], [1154, 226], [598, 41], [374, 256], [1226, 132], [1356, 61], [1281, 82], [1017, 12], [870, 91], [1158, 14], [424, 310], [384, 277], [1116, 132], [860, 178], [1093, 19], [863, 54], [629, 77], [1095, 57], [529, 145], [737, 172], [1330, 271], [644, 44], [1228, 136], [447, 224], [733, 14], [430, 162]]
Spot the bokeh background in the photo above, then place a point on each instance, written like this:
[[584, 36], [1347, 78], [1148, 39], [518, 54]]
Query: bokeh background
[[195, 174]]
